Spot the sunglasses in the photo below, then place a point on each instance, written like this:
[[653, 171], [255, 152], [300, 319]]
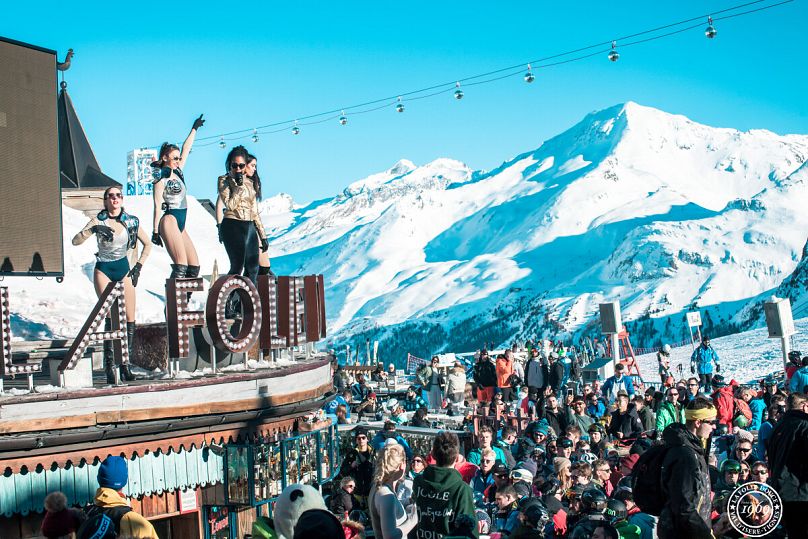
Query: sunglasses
[[711, 422], [673, 394], [361, 437], [114, 195], [744, 450], [501, 475], [238, 166], [421, 461], [693, 385], [760, 472]]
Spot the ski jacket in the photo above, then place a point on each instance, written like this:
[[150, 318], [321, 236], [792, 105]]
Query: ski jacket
[[686, 485], [410, 405], [787, 448], [331, 406], [556, 375], [481, 481], [668, 413], [597, 411], [612, 386], [725, 404], [536, 374], [132, 524], [504, 372], [456, 382], [799, 381], [704, 357], [648, 419], [485, 373], [362, 472], [628, 423], [758, 407]]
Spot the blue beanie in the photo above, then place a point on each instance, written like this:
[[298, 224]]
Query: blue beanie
[[113, 473]]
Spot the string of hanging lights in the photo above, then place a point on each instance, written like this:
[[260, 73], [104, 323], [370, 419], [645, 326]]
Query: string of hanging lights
[[529, 76]]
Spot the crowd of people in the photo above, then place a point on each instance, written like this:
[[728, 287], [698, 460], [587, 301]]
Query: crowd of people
[[613, 459]]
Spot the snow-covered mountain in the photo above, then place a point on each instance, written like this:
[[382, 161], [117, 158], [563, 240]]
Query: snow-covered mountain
[[631, 203]]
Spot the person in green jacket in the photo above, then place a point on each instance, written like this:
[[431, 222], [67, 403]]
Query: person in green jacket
[[670, 410], [440, 495]]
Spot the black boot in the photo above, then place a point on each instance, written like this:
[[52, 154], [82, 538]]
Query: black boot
[[109, 362], [178, 271], [126, 373], [265, 270], [192, 272]]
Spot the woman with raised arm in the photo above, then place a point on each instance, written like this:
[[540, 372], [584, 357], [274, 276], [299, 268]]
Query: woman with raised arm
[[240, 227], [251, 172], [171, 206], [117, 233]]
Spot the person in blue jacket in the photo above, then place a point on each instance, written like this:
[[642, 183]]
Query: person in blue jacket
[[618, 382], [343, 398], [799, 380], [702, 360], [389, 431]]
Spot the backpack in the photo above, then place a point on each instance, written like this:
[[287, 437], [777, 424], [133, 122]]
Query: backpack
[[646, 479], [102, 522]]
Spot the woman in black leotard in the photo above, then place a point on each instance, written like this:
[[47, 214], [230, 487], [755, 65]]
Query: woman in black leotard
[[117, 233], [171, 207]]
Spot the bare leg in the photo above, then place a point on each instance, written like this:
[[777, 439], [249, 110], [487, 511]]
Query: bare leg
[[263, 259], [131, 299], [175, 245], [101, 281], [190, 250]]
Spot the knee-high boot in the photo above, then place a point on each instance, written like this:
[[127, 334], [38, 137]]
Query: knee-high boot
[[109, 356], [126, 372], [178, 271]]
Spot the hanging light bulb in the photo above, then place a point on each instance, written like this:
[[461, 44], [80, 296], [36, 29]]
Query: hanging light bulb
[[529, 75], [343, 119], [458, 93], [222, 143], [295, 129], [613, 54], [255, 135], [710, 31], [399, 106]]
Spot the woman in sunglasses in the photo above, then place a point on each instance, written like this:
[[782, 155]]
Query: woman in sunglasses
[[117, 233], [251, 172], [240, 226], [170, 198]]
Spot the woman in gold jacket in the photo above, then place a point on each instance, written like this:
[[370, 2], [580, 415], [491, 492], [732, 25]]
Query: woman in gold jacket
[[240, 227]]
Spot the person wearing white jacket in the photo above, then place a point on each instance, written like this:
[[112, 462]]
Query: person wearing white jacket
[[389, 517], [456, 384]]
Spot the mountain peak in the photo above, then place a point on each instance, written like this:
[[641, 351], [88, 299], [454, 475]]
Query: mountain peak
[[402, 166]]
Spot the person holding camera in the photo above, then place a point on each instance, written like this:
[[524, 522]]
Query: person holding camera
[[240, 227]]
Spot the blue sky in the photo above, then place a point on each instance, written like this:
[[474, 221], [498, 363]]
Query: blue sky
[[144, 71]]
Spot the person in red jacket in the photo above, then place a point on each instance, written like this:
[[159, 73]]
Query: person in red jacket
[[504, 372], [724, 400]]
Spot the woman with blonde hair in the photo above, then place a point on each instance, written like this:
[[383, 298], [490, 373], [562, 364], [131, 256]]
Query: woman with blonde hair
[[389, 517], [563, 468]]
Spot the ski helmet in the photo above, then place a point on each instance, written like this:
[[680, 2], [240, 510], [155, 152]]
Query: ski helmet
[[666, 349], [731, 465], [536, 516], [589, 458], [616, 510], [741, 421], [795, 357], [593, 500]]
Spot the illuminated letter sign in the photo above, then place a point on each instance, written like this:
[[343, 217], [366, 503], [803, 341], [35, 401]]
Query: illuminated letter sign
[[6, 366], [315, 307], [292, 310], [251, 314], [113, 304], [269, 338], [178, 318]]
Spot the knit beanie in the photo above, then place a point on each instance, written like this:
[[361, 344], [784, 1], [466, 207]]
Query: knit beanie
[[295, 500], [113, 473], [59, 519], [318, 524]]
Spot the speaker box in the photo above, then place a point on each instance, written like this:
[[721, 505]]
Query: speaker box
[[610, 321], [30, 191], [779, 318]]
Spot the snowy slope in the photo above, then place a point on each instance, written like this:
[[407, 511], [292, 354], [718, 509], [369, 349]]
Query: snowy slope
[[631, 203]]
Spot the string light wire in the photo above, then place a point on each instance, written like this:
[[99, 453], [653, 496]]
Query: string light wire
[[503, 73]]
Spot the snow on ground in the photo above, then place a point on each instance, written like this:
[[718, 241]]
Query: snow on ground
[[746, 356]]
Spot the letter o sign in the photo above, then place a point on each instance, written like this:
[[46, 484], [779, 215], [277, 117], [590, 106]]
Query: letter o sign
[[217, 322]]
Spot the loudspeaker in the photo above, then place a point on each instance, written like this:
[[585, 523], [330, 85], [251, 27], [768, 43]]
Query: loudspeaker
[[778, 318], [610, 321], [30, 191]]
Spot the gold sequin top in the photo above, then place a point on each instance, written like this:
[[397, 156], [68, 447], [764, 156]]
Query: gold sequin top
[[240, 202]]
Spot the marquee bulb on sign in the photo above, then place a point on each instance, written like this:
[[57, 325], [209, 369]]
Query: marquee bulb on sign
[[458, 93], [613, 54], [529, 75], [710, 31]]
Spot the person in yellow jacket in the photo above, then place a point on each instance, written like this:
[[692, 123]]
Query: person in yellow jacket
[[109, 502]]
